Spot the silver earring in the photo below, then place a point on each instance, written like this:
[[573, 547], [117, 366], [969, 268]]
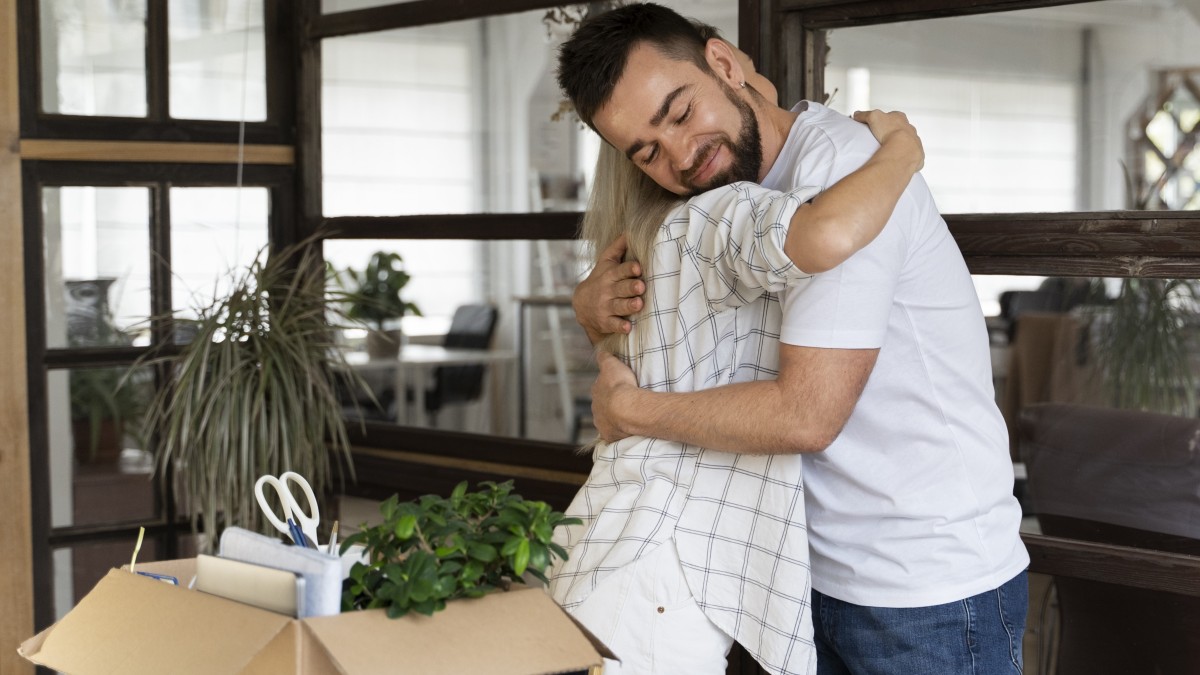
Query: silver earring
[[743, 84]]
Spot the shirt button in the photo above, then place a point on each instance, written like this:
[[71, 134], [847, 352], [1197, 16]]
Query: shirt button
[[661, 610]]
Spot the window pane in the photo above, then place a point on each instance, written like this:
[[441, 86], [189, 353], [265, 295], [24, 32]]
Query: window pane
[[528, 284], [1097, 379], [215, 235], [93, 57], [97, 244], [1035, 110], [99, 471], [218, 60], [462, 119]]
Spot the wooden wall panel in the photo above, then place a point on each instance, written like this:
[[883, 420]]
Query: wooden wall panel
[[16, 555]]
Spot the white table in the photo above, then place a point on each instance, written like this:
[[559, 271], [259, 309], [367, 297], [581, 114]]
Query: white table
[[418, 361]]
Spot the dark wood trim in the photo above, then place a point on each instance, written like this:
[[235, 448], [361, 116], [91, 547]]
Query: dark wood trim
[[414, 13], [750, 29], [379, 477], [1124, 565], [553, 225], [39, 438], [29, 65], [158, 63], [55, 173], [280, 40], [309, 172], [820, 14], [476, 447], [1097, 266], [1111, 232]]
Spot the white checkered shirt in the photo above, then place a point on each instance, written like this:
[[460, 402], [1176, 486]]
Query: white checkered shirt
[[712, 318]]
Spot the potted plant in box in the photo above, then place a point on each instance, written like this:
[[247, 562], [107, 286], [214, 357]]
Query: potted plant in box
[[435, 549], [373, 295]]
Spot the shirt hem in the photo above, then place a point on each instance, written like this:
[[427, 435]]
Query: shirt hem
[[941, 596]]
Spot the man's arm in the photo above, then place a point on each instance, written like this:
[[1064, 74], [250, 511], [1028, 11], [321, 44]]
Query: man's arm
[[804, 410], [823, 233]]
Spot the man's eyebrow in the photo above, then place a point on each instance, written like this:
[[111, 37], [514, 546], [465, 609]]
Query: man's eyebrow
[[657, 118]]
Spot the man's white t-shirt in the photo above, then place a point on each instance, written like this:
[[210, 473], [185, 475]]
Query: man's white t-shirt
[[912, 505]]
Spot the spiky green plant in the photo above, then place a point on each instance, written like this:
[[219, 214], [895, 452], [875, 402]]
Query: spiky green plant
[[256, 392], [1142, 343]]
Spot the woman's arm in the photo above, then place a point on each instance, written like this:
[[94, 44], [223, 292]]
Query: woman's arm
[[849, 214]]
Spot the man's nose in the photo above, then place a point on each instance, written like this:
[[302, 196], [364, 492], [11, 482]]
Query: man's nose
[[681, 153]]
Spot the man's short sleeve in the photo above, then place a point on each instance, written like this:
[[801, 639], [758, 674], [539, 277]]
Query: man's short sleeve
[[849, 306]]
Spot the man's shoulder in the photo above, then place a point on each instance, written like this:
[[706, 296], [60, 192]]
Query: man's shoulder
[[826, 145]]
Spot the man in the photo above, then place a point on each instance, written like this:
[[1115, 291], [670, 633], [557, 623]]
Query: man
[[884, 373]]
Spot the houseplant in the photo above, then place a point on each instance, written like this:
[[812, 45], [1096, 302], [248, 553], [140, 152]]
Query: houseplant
[[102, 405], [256, 392], [105, 406], [435, 549], [372, 295]]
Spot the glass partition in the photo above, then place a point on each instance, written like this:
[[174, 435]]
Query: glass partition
[[216, 232], [217, 60], [461, 117], [93, 57], [97, 248], [495, 348], [1074, 108]]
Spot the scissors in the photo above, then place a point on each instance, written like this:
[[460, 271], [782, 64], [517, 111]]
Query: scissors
[[301, 527]]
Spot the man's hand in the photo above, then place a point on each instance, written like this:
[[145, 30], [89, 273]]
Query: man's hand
[[609, 294], [895, 124], [614, 383]]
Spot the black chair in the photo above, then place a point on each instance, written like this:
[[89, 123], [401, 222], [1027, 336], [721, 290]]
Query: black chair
[[471, 328]]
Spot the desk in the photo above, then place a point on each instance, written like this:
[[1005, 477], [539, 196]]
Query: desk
[[418, 361]]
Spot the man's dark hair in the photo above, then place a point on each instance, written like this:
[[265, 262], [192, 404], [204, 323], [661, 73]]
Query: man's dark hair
[[593, 59]]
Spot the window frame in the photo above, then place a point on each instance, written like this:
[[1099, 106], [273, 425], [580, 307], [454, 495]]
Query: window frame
[[157, 125], [159, 153]]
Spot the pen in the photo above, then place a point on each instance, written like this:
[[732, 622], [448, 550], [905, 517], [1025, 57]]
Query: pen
[[333, 539], [296, 533]]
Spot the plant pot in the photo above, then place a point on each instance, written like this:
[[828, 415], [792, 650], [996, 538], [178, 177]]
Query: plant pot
[[109, 438], [384, 345]]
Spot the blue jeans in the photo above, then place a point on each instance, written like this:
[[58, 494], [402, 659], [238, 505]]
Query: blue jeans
[[980, 635]]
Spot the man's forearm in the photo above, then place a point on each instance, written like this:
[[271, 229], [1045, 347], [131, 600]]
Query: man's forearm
[[802, 411], [749, 417]]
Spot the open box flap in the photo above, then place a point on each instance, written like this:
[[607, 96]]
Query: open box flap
[[519, 632], [133, 624]]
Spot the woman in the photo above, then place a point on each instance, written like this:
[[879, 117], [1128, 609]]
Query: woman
[[711, 266]]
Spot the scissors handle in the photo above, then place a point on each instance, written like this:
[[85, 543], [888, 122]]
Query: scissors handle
[[284, 499], [306, 519]]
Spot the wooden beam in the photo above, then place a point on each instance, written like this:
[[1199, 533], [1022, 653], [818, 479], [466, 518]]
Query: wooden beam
[[153, 151], [16, 554]]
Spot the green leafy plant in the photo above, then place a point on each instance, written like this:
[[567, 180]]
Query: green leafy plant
[[435, 549], [373, 294], [255, 392], [100, 397], [1143, 342]]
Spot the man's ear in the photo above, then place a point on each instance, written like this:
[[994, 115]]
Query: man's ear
[[724, 63]]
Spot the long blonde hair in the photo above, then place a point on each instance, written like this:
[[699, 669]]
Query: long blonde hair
[[624, 200]]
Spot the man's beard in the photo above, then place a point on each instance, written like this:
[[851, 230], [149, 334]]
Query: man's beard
[[746, 150]]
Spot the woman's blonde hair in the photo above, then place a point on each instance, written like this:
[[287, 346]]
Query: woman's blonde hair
[[624, 200]]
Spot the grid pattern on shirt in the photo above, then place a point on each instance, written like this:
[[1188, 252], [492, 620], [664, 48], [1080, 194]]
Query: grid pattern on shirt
[[737, 520]]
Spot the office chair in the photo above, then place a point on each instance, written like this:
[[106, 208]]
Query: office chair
[[1120, 477], [471, 328]]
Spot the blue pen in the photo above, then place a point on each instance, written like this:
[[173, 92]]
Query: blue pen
[[296, 533]]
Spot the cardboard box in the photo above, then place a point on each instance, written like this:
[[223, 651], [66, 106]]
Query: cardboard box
[[133, 624]]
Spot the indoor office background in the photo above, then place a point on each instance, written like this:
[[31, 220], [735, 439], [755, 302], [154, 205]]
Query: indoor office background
[[158, 146]]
